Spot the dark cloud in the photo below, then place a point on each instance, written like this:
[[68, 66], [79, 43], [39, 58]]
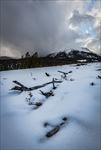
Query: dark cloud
[[78, 18], [27, 25], [34, 25], [41, 26]]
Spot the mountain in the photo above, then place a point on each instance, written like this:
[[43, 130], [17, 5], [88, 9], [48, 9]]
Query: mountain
[[53, 59], [5, 58], [73, 54]]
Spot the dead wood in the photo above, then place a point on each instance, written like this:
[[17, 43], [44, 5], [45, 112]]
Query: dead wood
[[56, 128], [65, 73], [99, 77], [17, 88], [21, 87], [54, 87], [47, 94], [92, 83], [47, 74], [53, 131], [98, 70], [37, 105]]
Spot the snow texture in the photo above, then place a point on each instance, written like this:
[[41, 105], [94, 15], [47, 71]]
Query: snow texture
[[22, 126]]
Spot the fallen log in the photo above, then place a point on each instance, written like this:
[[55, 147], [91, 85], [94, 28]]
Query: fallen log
[[65, 73], [18, 83], [53, 131], [55, 128], [40, 86], [47, 74], [92, 83], [21, 87], [37, 105], [54, 87], [47, 94], [98, 70], [17, 88], [99, 77]]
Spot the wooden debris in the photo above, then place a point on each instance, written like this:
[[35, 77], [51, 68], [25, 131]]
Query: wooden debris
[[52, 132], [18, 83], [54, 87], [70, 72], [34, 78], [99, 77], [37, 105], [64, 118], [98, 70], [71, 79], [47, 94], [17, 88], [47, 74], [65, 74], [22, 88], [56, 128], [92, 83], [46, 124]]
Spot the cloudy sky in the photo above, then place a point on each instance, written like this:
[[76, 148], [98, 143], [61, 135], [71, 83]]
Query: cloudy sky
[[48, 25]]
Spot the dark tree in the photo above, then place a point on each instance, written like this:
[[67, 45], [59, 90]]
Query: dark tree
[[35, 55], [27, 55]]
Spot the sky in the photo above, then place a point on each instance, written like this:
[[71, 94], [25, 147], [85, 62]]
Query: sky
[[47, 26]]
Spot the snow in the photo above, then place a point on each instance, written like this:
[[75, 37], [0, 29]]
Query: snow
[[22, 127], [83, 60]]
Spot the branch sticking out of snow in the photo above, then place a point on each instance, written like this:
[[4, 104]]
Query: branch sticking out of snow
[[22, 88]]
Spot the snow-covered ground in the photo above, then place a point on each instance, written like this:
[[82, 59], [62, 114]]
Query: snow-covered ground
[[22, 127]]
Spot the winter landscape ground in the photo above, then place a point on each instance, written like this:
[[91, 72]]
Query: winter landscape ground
[[77, 99]]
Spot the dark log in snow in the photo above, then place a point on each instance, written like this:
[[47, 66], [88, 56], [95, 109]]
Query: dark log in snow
[[47, 94], [37, 105], [92, 83], [53, 131], [54, 87], [18, 83], [47, 74], [99, 77], [98, 70], [56, 128], [17, 88], [21, 87], [65, 73], [46, 124]]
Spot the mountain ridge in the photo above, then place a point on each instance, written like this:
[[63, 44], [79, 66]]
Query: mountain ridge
[[74, 54], [53, 59]]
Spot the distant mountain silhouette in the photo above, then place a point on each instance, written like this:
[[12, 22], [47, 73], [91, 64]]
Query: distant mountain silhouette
[[75, 55], [53, 59], [5, 58]]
